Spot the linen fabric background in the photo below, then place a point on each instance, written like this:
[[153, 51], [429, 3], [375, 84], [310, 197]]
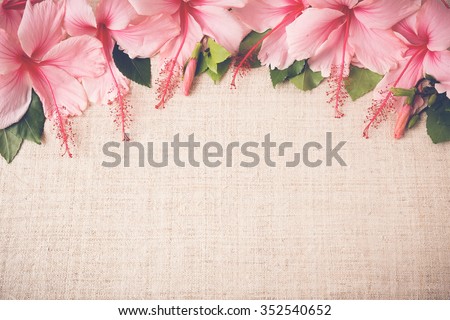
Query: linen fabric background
[[377, 229]]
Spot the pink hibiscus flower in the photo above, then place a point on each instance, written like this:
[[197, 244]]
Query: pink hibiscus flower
[[427, 37], [117, 21], [196, 18], [38, 59], [335, 33], [11, 14], [262, 15]]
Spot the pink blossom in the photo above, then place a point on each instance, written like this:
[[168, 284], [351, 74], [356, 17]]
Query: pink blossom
[[11, 14], [262, 15], [117, 21], [335, 33], [427, 37], [196, 18], [38, 59]]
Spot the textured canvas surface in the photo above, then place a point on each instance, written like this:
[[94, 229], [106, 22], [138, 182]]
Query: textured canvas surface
[[377, 229]]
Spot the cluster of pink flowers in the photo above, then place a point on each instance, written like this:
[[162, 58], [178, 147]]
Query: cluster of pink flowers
[[62, 49], [402, 40]]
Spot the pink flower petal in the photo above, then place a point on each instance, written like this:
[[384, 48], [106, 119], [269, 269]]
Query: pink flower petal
[[433, 22], [334, 4], [407, 31], [15, 90], [329, 54], [383, 14], [79, 56], [191, 37], [437, 64], [41, 27], [59, 92], [309, 31], [220, 3], [79, 19], [102, 90], [260, 15], [155, 7], [376, 49], [274, 51], [221, 25], [411, 74], [9, 53], [115, 14], [10, 20], [146, 38]]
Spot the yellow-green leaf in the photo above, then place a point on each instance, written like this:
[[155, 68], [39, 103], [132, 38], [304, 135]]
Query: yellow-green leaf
[[218, 53], [222, 69], [210, 63]]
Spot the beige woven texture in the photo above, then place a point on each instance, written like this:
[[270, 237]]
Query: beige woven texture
[[377, 229]]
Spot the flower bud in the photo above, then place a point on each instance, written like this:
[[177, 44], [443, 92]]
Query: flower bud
[[191, 68], [412, 123], [402, 121], [432, 100], [189, 75]]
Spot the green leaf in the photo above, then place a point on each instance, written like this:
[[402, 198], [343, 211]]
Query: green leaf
[[218, 53], [9, 145], [308, 80], [413, 121], [430, 78], [137, 70], [437, 129], [31, 126], [278, 76], [248, 43], [361, 81], [222, 69], [296, 68], [438, 121]]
